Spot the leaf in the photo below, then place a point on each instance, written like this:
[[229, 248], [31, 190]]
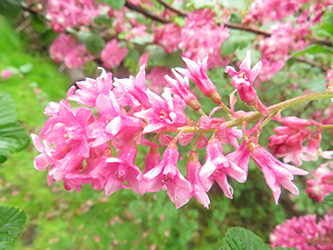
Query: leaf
[[11, 223], [13, 137], [314, 49], [238, 238], [329, 199], [93, 42], [157, 57], [7, 109], [10, 8], [114, 4]]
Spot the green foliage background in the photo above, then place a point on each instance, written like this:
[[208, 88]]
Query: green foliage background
[[58, 219]]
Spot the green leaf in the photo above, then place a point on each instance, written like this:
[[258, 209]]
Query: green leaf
[[8, 109], [10, 8], [38, 23], [93, 42], [157, 57], [114, 4], [11, 223], [329, 199], [13, 138], [314, 49], [238, 238]]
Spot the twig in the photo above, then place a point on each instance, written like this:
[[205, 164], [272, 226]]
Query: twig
[[170, 7], [246, 28], [146, 12], [315, 64]]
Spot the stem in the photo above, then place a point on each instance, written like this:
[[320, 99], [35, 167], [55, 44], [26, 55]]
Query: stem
[[146, 13], [226, 108], [202, 112], [327, 126], [170, 7], [271, 110]]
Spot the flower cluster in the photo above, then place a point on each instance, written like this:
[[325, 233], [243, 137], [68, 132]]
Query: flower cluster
[[81, 148], [65, 49], [200, 36], [69, 13], [289, 140], [304, 233], [113, 55], [322, 182]]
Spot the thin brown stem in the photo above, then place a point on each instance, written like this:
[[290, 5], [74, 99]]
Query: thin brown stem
[[170, 7], [247, 28], [146, 13]]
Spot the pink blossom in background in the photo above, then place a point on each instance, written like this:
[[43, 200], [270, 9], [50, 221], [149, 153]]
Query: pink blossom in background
[[201, 36], [304, 233], [113, 54], [69, 13], [65, 49], [5, 73], [156, 80], [272, 10], [321, 183], [168, 36]]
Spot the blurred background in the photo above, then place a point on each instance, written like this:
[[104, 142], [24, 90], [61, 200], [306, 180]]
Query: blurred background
[[58, 219]]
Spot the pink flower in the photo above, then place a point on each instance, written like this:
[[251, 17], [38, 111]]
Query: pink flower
[[275, 172], [90, 89], [68, 13], [152, 159], [167, 176], [156, 79], [197, 73], [113, 55], [193, 169], [116, 170], [64, 49], [135, 88], [202, 36], [322, 183], [5, 73], [65, 142], [243, 81], [240, 157], [181, 86], [289, 139], [168, 36], [112, 122], [217, 167], [166, 113], [304, 233]]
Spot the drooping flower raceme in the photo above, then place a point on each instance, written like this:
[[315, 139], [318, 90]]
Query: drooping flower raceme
[[80, 145]]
